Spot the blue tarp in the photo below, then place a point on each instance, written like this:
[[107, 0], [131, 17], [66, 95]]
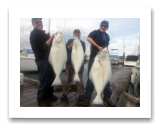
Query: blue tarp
[[113, 56], [29, 51]]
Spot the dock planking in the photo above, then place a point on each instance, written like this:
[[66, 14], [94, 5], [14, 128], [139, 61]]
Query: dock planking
[[119, 84], [68, 100], [23, 94]]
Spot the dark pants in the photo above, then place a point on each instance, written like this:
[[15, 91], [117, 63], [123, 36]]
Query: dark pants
[[90, 87], [46, 78], [69, 77]]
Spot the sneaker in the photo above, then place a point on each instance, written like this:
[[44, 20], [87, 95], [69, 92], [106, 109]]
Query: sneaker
[[81, 97], [63, 97], [43, 104], [86, 103], [109, 102]]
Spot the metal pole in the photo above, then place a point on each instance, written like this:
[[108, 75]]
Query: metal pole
[[49, 26], [123, 45], [64, 26]]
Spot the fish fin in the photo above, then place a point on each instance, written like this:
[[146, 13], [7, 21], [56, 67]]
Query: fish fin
[[76, 78], [57, 81]]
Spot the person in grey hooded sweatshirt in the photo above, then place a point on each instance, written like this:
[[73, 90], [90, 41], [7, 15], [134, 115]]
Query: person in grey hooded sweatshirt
[[99, 39]]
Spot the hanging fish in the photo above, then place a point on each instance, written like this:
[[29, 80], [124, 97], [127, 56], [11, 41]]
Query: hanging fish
[[100, 73], [58, 56]]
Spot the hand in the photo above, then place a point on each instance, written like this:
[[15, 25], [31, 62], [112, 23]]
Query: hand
[[50, 39], [100, 48], [70, 46], [52, 36]]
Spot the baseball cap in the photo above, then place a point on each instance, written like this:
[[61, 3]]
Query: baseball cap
[[76, 30], [33, 19], [105, 21]]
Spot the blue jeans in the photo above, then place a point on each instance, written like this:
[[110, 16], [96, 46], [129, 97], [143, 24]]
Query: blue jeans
[[46, 78], [89, 86]]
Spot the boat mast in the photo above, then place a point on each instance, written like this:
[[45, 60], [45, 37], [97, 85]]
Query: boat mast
[[136, 48], [139, 47], [123, 45], [49, 26], [64, 26]]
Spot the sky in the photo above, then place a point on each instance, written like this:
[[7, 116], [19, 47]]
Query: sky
[[138, 19], [121, 31]]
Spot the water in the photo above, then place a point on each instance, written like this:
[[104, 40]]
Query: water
[[62, 75]]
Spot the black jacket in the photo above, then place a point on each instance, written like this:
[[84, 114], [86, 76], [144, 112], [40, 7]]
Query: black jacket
[[102, 41], [38, 43]]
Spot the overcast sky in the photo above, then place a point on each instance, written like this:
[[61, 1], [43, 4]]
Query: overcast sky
[[119, 28]]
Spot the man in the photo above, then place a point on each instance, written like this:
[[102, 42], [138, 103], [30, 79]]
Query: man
[[99, 39], [70, 69], [41, 44]]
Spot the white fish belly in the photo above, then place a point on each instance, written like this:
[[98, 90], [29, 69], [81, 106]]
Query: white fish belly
[[57, 59], [77, 58], [99, 75]]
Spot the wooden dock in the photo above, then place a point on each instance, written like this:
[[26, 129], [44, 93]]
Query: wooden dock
[[119, 84]]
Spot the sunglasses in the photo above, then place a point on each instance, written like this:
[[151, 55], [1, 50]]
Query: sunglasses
[[104, 26], [38, 22]]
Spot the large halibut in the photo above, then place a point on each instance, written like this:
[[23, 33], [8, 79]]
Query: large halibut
[[58, 56], [100, 73], [77, 57]]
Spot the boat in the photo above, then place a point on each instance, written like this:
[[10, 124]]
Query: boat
[[27, 61], [135, 80], [131, 60], [134, 61], [135, 76], [114, 56], [87, 57]]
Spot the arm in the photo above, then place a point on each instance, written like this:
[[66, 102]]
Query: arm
[[48, 42], [70, 46], [38, 43], [93, 43]]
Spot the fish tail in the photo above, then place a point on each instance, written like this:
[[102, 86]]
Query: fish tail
[[76, 78], [97, 101], [57, 81]]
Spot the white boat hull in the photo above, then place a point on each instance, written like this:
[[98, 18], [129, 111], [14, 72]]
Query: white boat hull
[[27, 64], [114, 58], [130, 63]]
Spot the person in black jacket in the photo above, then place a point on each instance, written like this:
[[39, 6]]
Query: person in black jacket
[[41, 44], [99, 39]]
